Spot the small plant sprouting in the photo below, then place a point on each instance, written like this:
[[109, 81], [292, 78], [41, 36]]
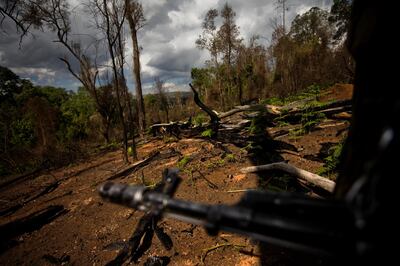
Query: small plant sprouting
[[331, 162], [208, 133], [183, 162], [230, 158], [258, 124], [199, 120]]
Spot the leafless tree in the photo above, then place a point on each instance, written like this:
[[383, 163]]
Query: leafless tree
[[23, 13], [136, 20], [55, 15], [105, 13], [120, 60]]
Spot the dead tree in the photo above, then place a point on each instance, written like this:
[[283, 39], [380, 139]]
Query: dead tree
[[55, 15], [214, 119], [104, 11], [135, 17], [120, 59], [309, 177]]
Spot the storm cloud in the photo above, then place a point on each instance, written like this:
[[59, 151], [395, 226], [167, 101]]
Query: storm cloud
[[167, 40]]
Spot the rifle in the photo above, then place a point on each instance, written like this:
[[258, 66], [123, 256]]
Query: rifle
[[321, 226]]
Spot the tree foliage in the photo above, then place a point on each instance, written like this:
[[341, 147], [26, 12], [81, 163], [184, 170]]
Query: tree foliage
[[76, 112], [36, 123], [340, 17], [239, 72]]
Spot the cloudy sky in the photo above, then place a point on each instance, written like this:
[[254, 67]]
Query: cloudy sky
[[167, 40]]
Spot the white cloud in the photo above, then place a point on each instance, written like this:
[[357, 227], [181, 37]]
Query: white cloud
[[168, 39], [42, 74]]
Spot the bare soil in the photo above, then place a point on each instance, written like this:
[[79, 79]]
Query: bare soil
[[58, 218]]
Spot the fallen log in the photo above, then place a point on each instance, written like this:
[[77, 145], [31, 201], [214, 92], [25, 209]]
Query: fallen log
[[327, 109], [47, 189], [335, 110], [288, 152], [131, 168], [299, 103], [342, 116], [172, 128], [339, 103], [292, 115], [20, 178], [311, 178], [238, 109], [331, 125], [237, 126], [270, 109]]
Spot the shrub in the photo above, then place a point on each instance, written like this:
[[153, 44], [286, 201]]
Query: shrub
[[258, 124], [183, 162], [199, 119], [208, 133], [273, 101], [331, 162], [230, 157]]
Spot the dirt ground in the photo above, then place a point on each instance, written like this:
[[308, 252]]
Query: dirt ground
[[58, 218]]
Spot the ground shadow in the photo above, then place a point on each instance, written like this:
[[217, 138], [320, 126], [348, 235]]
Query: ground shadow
[[263, 149], [11, 231]]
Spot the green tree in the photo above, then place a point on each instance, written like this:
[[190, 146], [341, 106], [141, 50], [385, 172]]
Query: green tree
[[229, 35], [340, 17], [76, 112], [303, 55], [223, 41], [203, 81], [11, 86], [312, 27], [209, 39], [151, 103], [22, 133], [230, 41]]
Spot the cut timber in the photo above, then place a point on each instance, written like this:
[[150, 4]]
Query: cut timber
[[314, 179], [298, 104], [131, 168], [327, 109], [288, 152], [237, 109], [271, 109], [172, 128], [330, 125], [342, 116], [237, 126], [291, 109], [335, 110], [213, 116]]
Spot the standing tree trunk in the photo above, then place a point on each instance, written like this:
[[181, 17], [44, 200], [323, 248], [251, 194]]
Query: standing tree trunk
[[127, 98], [111, 43], [134, 15], [106, 129], [132, 123]]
